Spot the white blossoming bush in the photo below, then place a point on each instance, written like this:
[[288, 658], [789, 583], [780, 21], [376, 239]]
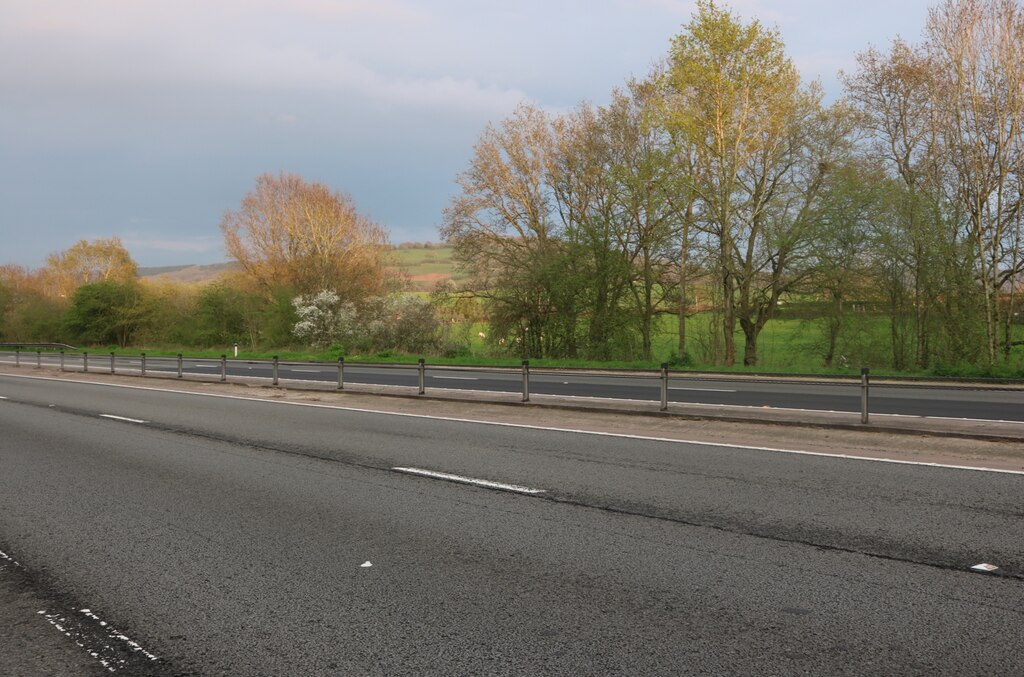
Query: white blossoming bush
[[380, 323], [324, 319]]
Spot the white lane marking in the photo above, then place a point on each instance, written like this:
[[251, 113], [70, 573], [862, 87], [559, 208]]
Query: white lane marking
[[527, 426], [123, 418], [5, 556], [457, 378], [312, 371], [2, 397], [114, 634], [704, 390], [71, 628], [470, 480], [984, 566], [366, 565]]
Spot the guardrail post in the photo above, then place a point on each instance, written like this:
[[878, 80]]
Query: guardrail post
[[864, 387], [39, 359], [111, 363], [143, 372], [179, 365], [62, 360], [223, 368], [85, 362], [664, 386], [341, 373], [423, 375], [275, 370], [17, 357], [526, 380]]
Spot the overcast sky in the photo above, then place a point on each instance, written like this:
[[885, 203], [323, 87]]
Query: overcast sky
[[148, 119]]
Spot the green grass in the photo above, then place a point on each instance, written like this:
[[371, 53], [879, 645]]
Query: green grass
[[787, 345]]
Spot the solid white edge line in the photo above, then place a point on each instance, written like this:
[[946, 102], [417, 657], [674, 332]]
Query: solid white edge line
[[723, 445], [122, 418], [470, 480]]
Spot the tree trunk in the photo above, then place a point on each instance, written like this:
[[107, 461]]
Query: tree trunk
[[684, 260], [729, 320], [751, 330]]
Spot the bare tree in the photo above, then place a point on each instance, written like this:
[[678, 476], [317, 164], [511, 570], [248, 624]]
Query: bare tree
[[102, 260], [506, 234], [304, 236], [976, 46]]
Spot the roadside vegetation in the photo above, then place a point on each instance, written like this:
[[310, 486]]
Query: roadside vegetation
[[716, 214]]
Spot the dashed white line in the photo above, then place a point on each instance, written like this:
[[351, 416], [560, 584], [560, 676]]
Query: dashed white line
[[577, 431], [456, 378], [123, 418], [310, 371], [704, 390], [488, 484]]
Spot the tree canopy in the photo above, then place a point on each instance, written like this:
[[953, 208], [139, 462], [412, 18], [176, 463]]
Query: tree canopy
[[304, 236]]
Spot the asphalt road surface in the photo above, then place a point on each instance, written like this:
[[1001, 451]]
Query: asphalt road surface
[[230, 536], [951, 401]]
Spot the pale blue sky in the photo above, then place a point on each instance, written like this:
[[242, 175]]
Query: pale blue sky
[[147, 120]]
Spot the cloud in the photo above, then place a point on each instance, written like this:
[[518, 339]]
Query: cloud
[[113, 45]]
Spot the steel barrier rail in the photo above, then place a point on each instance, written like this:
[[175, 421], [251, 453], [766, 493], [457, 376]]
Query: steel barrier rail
[[664, 376]]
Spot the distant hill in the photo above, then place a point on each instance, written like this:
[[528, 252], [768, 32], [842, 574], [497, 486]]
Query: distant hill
[[424, 266], [189, 274]]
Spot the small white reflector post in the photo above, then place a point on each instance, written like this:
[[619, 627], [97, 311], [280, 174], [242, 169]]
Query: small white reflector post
[[987, 568]]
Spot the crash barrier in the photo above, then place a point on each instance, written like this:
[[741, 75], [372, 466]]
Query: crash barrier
[[513, 379]]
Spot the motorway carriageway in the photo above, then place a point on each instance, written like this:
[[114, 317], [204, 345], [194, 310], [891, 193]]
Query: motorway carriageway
[[932, 400], [225, 535]]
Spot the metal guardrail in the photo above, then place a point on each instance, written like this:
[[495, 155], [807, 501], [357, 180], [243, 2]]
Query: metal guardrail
[[663, 376]]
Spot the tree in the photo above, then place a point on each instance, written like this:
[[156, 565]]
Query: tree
[[293, 233], [976, 46], [26, 313], [507, 236], [642, 175], [762, 147], [224, 314], [840, 252], [894, 94], [106, 312], [103, 260]]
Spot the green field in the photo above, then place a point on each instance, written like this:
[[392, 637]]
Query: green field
[[426, 267]]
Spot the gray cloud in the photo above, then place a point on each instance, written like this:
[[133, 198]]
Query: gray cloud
[[149, 120]]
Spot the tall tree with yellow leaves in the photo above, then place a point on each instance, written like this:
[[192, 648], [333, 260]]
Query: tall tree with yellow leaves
[[301, 235]]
